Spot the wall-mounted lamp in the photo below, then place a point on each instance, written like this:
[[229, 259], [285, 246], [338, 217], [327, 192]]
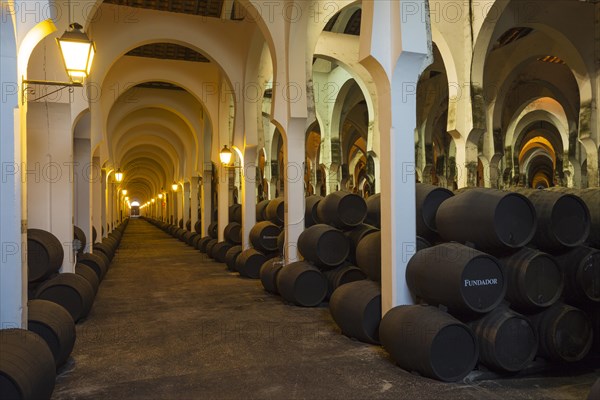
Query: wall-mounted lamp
[[119, 175], [124, 191], [225, 155], [174, 186], [153, 200], [160, 196], [77, 51]]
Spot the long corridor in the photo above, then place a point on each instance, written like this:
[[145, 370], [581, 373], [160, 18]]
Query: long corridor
[[168, 323]]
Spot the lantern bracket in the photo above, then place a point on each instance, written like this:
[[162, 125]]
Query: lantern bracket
[[26, 88]]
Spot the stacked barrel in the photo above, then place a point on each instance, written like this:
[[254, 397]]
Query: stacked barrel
[[511, 277], [30, 358]]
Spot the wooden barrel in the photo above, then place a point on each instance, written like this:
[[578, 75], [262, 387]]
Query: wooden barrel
[[71, 291], [89, 274], [343, 210], [268, 274], [591, 197], [233, 233], [180, 224], [356, 309], [94, 234], [231, 256], [97, 263], [533, 279], [180, 234], [79, 240], [275, 211], [302, 284], [186, 237], [324, 246], [191, 239], [429, 341], [564, 333], [104, 249], [235, 213], [581, 268], [203, 243], [261, 208], [248, 263], [563, 219], [210, 247], [507, 340], [355, 236], [102, 256], [27, 367], [310, 211], [368, 255], [461, 278], [188, 225], [198, 227], [196, 241], [281, 242], [220, 250], [213, 230], [422, 243], [44, 254], [341, 275], [263, 236], [594, 391], [374, 211], [491, 219], [55, 325], [428, 200]]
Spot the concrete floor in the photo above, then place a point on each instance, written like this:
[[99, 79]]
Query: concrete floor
[[169, 323]]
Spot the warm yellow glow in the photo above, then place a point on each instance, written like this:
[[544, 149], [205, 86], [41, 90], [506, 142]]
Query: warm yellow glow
[[126, 198], [77, 52], [174, 186], [124, 191], [119, 176], [153, 200], [225, 155], [160, 196]]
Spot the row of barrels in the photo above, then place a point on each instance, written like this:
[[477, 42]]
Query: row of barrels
[[29, 359]]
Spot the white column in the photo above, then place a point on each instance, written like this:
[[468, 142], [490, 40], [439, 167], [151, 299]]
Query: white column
[[206, 201], [194, 201], [223, 207], [13, 223], [186, 204], [50, 174], [248, 195], [83, 204], [294, 186], [179, 199], [95, 176]]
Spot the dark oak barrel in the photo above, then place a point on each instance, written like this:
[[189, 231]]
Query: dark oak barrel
[[213, 230], [248, 263], [507, 340], [342, 275], [355, 236], [374, 211], [461, 278], [79, 240], [210, 246], [261, 210], [429, 341], [188, 225], [231, 256], [27, 366], [563, 219], [71, 291], [356, 309], [564, 332], [534, 279], [324, 246], [491, 219], [233, 233], [235, 213], [428, 200], [89, 274], [591, 197], [422, 243], [219, 251], [310, 212], [198, 227], [54, 324], [343, 210], [44, 254], [94, 261], [368, 255], [302, 284], [263, 236], [581, 268], [275, 211], [203, 243], [268, 274]]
